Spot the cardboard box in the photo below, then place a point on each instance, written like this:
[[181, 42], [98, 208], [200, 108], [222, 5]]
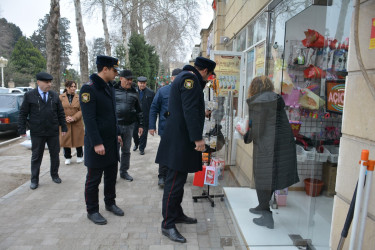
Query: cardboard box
[[281, 199], [329, 178]]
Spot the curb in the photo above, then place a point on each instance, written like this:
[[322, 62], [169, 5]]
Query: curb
[[5, 143]]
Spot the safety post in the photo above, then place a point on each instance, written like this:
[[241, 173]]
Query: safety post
[[358, 202]]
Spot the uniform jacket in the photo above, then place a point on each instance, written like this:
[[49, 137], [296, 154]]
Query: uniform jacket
[[274, 151], [98, 104], [185, 123], [43, 118], [159, 107], [74, 136], [148, 96], [128, 108]]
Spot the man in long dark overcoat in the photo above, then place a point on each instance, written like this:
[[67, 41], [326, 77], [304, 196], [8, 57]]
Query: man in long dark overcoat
[[98, 104], [182, 145]]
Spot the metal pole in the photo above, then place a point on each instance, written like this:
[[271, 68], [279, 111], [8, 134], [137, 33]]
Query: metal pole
[[2, 77]]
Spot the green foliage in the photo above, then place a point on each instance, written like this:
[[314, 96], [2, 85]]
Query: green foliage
[[71, 75], [120, 54], [143, 59], [25, 61], [97, 48], [10, 33], [38, 39]]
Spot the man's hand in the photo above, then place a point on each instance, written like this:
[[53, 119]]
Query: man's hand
[[120, 140], [99, 149], [152, 132], [208, 113], [140, 131], [200, 145], [63, 133]]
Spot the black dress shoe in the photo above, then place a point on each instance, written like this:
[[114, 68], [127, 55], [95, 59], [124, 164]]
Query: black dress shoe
[[256, 210], [141, 152], [57, 180], [161, 182], [33, 185], [135, 148], [126, 177], [115, 209], [173, 234], [186, 220], [266, 220], [97, 218]]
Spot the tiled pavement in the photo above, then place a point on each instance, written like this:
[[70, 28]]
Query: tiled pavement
[[54, 217]]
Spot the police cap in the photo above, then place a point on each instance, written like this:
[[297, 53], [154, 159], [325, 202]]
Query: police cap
[[43, 76], [108, 61], [126, 74], [205, 63], [142, 79], [176, 71]]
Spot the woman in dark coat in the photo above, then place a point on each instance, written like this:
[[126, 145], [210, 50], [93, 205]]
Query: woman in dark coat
[[274, 151]]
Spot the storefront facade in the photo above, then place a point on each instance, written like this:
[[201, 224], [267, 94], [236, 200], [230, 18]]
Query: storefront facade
[[306, 47]]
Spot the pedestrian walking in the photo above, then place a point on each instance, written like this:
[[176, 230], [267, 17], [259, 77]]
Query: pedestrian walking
[[181, 148], [73, 117], [159, 108], [129, 113], [101, 154], [146, 95], [43, 111]]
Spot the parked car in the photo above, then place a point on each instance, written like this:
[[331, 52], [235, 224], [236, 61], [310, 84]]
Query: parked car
[[24, 89], [10, 105], [10, 90]]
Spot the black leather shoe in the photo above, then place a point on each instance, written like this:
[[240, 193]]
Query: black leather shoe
[[33, 185], [161, 182], [256, 210], [173, 234], [141, 152], [126, 177], [56, 180], [97, 218], [186, 220], [135, 148], [115, 209], [266, 220]]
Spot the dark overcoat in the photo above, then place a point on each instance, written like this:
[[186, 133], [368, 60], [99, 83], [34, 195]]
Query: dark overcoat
[[184, 124], [146, 101], [274, 151], [98, 105]]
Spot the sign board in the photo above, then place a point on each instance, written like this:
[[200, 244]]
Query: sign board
[[335, 96], [228, 72]]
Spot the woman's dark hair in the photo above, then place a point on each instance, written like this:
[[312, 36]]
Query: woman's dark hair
[[260, 84], [69, 84]]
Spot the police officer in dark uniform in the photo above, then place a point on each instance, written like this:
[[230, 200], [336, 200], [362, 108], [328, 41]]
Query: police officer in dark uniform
[[98, 104], [44, 112], [182, 144]]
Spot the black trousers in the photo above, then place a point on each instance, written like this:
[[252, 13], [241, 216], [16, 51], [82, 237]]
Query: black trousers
[[264, 197], [172, 198], [37, 148], [163, 170], [93, 179], [140, 141], [68, 152]]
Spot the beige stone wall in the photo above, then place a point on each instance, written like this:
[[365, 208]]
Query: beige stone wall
[[358, 131], [244, 160]]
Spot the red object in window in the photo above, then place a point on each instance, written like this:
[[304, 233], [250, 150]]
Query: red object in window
[[214, 4]]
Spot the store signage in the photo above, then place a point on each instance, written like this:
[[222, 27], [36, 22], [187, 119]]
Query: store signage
[[335, 96], [372, 37], [228, 72]]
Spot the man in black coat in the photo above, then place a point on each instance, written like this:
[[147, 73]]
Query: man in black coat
[[182, 145], [97, 99], [146, 96], [43, 109], [129, 112]]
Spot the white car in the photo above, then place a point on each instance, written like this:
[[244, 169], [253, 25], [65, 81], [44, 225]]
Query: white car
[[24, 89], [11, 90]]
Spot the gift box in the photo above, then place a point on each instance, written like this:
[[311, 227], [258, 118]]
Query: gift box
[[281, 199], [199, 177], [211, 177], [219, 163]]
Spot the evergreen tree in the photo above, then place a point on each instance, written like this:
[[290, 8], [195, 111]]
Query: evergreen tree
[[10, 33], [143, 59], [25, 61]]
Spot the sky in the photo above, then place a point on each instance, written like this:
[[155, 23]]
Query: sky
[[26, 14]]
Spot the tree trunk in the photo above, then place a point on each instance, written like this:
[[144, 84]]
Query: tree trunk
[[83, 52], [134, 17], [123, 32], [140, 22], [53, 45], [105, 28]]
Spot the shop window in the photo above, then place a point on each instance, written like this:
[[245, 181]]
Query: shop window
[[241, 41], [255, 30]]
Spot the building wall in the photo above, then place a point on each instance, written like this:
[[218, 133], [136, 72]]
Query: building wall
[[357, 130]]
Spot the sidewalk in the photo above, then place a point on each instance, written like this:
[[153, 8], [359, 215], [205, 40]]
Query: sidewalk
[[54, 216]]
